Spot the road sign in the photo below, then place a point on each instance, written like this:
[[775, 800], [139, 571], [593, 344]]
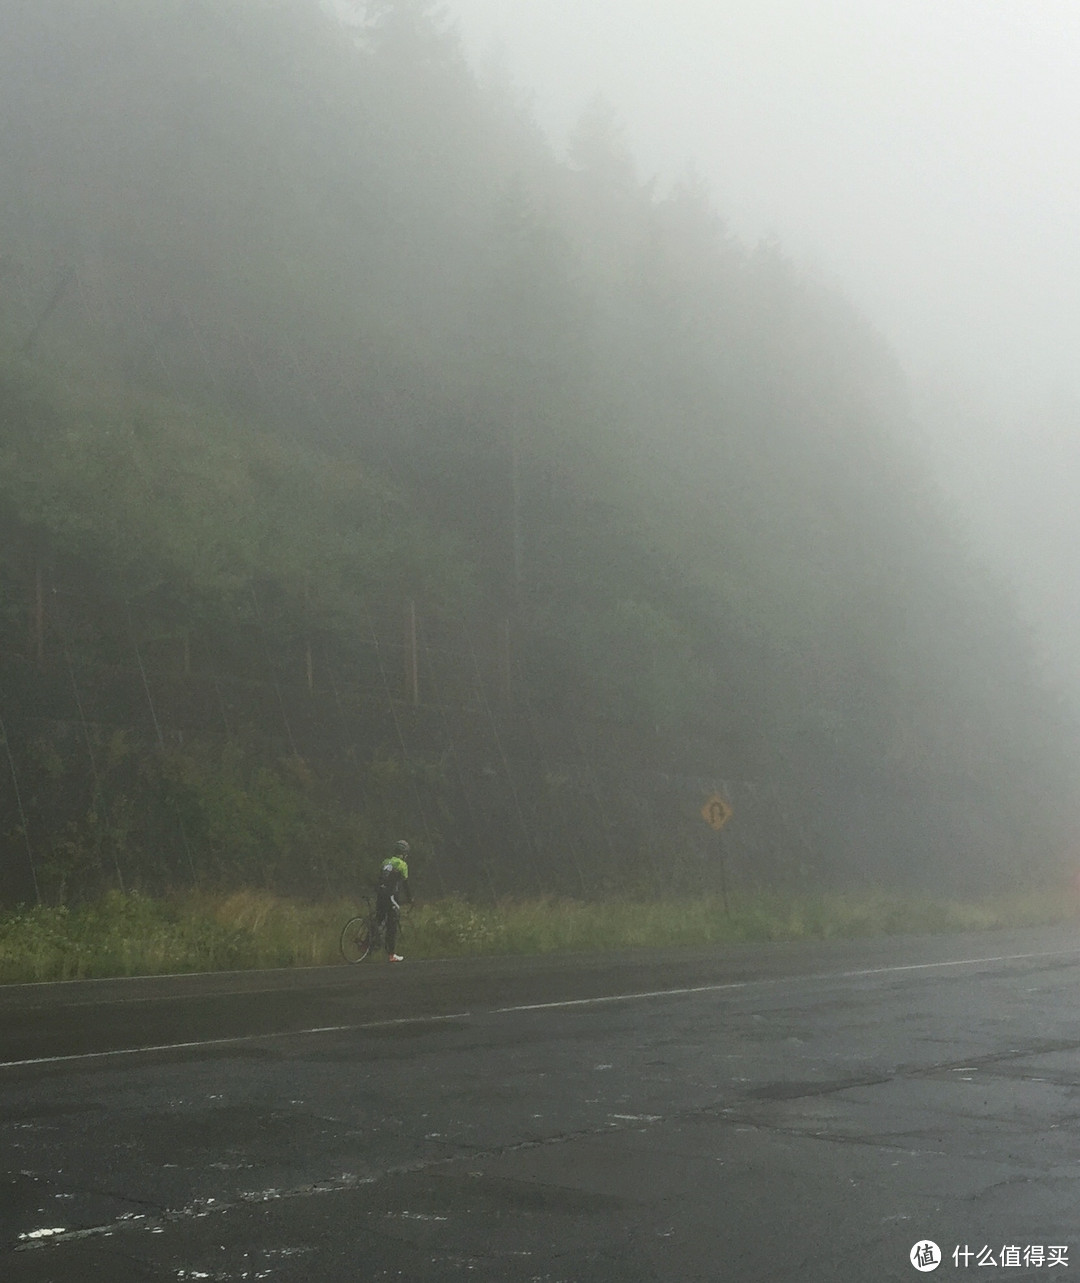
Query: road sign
[[716, 812]]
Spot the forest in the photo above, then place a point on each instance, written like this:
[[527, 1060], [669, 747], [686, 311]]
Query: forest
[[371, 468]]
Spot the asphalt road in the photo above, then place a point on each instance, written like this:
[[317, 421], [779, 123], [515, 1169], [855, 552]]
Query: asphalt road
[[763, 1113]]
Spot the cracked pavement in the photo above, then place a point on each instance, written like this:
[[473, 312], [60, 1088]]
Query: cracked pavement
[[782, 1113]]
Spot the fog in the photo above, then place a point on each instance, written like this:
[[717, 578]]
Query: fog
[[380, 459], [922, 155]]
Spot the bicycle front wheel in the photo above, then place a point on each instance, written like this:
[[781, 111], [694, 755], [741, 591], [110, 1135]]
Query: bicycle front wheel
[[357, 939]]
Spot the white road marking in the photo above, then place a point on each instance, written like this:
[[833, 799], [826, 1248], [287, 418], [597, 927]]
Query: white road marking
[[546, 1006], [224, 1042], [957, 962], [774, 980], [625, 997]]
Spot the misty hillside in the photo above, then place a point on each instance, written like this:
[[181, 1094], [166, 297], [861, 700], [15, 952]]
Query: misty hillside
[[368, 469]]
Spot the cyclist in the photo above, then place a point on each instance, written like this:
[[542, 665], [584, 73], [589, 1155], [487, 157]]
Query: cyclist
[[393, 884]]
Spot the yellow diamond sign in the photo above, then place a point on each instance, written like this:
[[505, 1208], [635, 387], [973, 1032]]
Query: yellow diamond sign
[[716, 812]]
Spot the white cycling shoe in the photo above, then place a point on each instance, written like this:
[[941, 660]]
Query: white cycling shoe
[[395, 957]]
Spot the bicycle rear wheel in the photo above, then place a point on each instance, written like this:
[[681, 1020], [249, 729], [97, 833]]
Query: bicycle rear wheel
[[358, 939]]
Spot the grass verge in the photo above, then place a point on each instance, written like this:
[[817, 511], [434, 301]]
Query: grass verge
[[123, 935]]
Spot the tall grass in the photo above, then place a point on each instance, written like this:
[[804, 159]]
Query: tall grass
[[123, 935]]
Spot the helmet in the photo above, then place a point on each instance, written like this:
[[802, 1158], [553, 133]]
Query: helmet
[[402, 847]]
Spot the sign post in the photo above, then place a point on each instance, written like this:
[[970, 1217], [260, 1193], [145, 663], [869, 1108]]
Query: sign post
[[716, 813]]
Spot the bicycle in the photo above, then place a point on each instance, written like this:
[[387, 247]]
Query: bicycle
[[363, 935]]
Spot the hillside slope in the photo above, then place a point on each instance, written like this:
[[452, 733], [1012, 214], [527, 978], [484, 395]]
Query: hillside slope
[[367, 469]]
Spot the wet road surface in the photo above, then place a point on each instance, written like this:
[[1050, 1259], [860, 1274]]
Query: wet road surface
[[760, 1113]]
